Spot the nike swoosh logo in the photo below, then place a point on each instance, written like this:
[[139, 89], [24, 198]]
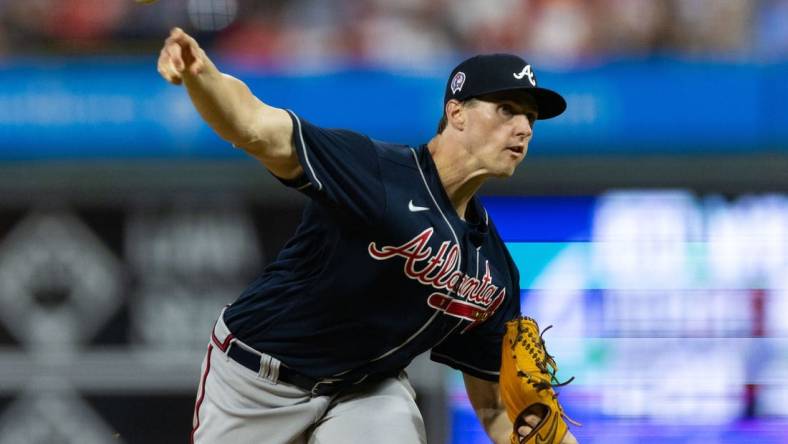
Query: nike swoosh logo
[[414, 208], [550, 436]]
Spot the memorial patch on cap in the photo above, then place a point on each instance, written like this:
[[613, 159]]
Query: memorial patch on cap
[[457, 82]]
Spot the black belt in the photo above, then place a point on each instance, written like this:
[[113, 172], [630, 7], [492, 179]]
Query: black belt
[[317, 387]]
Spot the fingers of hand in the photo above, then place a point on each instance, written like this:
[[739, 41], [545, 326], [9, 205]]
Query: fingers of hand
[[178, 36], [524, 430], [188, 53], [166, 68], [532, 421], [569, 438], [176, 56]]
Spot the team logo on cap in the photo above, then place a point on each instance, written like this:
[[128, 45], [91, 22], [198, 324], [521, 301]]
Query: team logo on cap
[[457, 82], [526, 72]]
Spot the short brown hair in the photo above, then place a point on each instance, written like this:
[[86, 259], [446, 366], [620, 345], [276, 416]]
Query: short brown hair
[[444, 121]]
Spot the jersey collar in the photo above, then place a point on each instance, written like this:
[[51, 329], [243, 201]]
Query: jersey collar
[[476, 217]]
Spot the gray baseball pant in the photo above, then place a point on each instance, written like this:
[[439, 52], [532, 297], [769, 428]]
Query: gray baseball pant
[[236, 405]]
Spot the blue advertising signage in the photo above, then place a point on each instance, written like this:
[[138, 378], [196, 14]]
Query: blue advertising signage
[[121, 108]]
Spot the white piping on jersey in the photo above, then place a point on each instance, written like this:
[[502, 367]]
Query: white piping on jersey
[[449, 333], [413, 336], [459, 262], [456, 239], [445, 219], [449, 358], [477, 262], [306, 155]]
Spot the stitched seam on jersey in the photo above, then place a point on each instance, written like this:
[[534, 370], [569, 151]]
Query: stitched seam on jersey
[[449, 358], [304, 150], [423, 327]]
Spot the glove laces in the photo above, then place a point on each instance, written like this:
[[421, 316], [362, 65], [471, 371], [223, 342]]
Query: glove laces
[[547, 366]]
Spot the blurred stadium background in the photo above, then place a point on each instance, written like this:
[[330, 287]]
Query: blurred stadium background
[[650, 222]]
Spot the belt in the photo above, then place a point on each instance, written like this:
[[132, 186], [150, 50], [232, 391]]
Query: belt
[[317, 387]]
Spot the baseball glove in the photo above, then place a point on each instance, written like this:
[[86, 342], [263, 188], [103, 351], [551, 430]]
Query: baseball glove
[[526, 383]]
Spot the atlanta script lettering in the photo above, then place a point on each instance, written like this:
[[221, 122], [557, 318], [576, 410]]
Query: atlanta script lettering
[[476, 299]]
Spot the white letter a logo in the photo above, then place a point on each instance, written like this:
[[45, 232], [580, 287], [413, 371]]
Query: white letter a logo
[[526, 72]]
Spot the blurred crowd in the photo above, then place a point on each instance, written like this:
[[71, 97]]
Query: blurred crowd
[[403, 32]]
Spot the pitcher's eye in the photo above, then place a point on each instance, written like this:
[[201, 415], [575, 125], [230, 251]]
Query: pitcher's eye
[[506, 110]]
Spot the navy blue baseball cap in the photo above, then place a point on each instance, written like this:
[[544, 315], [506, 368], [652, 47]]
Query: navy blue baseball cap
[[492, 73]]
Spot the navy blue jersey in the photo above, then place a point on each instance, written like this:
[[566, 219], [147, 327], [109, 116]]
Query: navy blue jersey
[[380, 269]]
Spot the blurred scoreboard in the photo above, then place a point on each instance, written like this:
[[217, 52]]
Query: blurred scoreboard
[[671, 310]]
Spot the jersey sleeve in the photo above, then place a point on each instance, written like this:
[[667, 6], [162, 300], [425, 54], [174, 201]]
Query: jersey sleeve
[[341, 169], [478, 351]]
